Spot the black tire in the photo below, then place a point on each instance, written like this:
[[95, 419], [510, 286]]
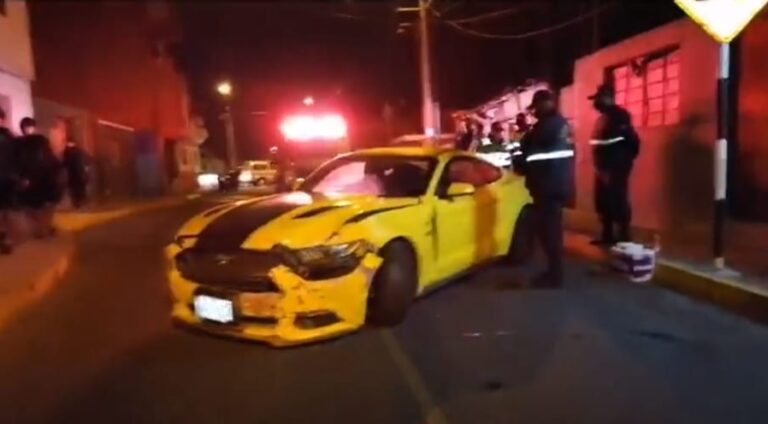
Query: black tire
[[522, 243], [394, 285], [259, 182]]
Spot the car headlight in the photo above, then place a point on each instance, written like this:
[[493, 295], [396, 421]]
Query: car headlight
[[325, 261]]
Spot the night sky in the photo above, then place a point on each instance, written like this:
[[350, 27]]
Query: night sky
[[350, 57]]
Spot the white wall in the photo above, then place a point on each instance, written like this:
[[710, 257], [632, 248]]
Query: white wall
[[16, 63], [15, 98], [15, 44]]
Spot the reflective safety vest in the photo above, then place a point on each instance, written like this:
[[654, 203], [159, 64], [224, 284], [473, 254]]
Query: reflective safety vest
[[547, 159], [615, 143]]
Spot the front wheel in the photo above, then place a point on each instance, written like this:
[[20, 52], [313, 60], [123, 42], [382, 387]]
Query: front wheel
[[521, 245], [394, 285]]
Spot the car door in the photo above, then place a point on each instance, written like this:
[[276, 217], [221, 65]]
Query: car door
[[467, 227], [454, 220], [490, 212]]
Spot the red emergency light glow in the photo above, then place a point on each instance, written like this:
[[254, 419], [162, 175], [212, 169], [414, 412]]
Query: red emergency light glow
[[307, 127]]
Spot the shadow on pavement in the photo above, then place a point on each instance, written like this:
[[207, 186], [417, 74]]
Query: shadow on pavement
[[184, 377]]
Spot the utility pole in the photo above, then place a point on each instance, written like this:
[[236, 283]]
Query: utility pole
[[428, 115], [229, 129], [427, 103], [225, 90]]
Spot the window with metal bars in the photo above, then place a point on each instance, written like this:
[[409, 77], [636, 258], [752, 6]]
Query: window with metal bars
[[649, 87]]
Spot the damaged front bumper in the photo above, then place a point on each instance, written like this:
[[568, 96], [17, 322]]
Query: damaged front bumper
[[293, 311]]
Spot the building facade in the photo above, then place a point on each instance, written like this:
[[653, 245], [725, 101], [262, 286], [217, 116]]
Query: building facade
[[108, 69], [666, 78], [16, 62]]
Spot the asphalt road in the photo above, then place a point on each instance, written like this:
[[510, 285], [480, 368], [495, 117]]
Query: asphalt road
[[101, 349]]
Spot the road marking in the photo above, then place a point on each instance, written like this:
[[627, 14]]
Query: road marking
[[430, 409]]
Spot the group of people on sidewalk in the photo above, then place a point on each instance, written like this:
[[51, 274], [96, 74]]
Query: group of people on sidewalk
[[33, 179], [545, 152]]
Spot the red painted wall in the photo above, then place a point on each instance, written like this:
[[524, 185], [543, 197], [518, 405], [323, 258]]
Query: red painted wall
[[98, 56], [753, 121], [672, 181]]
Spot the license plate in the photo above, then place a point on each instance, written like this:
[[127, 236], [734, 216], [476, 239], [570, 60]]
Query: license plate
[[214, 309]]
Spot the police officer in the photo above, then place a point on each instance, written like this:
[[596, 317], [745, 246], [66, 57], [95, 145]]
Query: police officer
[[547, 162], [615, 147]]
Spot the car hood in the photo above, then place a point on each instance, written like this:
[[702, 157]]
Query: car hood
[[295, 219]]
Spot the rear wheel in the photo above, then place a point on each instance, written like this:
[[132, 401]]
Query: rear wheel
[[259, 182], [394, 285], [521, 246]]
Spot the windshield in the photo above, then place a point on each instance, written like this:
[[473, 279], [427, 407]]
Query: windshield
[[383, 176]]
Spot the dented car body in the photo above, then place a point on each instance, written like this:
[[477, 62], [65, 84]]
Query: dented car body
[[303, 266]]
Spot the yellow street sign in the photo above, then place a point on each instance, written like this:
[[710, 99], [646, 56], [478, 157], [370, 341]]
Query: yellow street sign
[[722, 19]]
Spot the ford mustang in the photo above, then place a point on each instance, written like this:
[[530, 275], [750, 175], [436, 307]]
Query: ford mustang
[[357, 241]]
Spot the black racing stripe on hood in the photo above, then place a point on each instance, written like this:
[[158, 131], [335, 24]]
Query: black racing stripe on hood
[[230, 230], [317, 211], [368, 214]]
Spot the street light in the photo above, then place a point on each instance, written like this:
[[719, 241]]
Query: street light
[[309, 101], [224, 88]]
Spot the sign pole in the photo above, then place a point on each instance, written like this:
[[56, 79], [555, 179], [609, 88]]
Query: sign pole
[[721, 157], [723, 20]]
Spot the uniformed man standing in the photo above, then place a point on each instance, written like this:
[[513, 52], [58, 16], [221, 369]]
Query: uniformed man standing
[[547, 162], [615, 147]]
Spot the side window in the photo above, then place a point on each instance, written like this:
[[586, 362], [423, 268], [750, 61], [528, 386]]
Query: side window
[[469, 171], [486, 173]]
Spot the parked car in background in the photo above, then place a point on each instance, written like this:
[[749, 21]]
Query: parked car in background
[[257, 173]]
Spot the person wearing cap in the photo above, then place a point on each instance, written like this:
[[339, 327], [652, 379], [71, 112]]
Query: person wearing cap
[[547, 163], [615, 145]]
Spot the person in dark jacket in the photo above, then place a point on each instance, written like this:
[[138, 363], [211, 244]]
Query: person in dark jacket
[[466, 136], [75, 166], [40, 172], [615, 147], [8, 181], [547, 163]]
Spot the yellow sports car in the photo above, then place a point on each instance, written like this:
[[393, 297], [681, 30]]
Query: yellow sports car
[[356, 241]]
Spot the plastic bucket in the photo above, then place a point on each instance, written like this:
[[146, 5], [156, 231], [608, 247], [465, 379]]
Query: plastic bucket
[[634, 260]]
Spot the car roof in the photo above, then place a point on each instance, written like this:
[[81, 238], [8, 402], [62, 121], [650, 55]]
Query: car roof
[[428, 152]]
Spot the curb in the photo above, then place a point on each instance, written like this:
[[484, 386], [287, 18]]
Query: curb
[[721, 291], [39, 287], [79, 221], [728, 294]]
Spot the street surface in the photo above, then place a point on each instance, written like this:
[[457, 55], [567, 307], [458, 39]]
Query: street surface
[[101, 349]]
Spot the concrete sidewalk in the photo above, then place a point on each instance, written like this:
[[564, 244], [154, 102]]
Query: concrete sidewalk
[[31, 272], [36, 266], [742, 293]]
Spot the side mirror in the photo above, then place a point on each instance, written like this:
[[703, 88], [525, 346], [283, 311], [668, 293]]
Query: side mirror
[[460, 189], [296, 184]]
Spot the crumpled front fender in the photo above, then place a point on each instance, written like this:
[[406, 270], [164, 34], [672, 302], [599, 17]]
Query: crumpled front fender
[[303, 311]]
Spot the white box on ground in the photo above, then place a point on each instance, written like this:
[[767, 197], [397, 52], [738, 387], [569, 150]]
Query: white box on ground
[[635, 260]]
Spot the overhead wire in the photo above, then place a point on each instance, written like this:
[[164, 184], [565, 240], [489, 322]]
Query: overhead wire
[[488, 15], [523, 35]]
